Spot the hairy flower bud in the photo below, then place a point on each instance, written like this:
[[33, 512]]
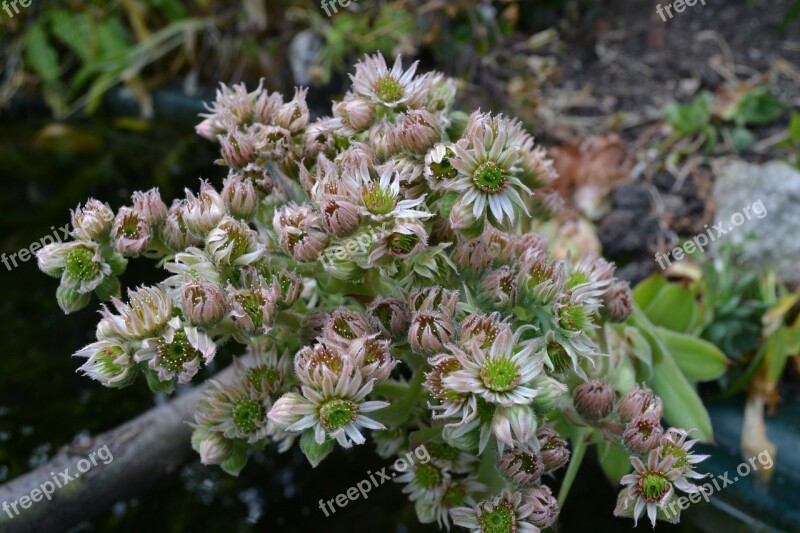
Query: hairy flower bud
[[550, 393], [203, 303], [389, 317], [501, 286], [344, 325], [522, 464], [203, 212], [70, 300], [239, 195], [594, 400], [147, 312], [543, 505], [552, 448], [643, 433], [340, 217], [108, 361], [174, 232], [416, 131], [131, 232], [472, 254], [93, 221], [639, 401], [294, 115], [430, 331], [253, 305], [357, 113], [150, 206], [232, 242], [618, 301], [214, 448], [301, 232], [238, 148], [433, 299]]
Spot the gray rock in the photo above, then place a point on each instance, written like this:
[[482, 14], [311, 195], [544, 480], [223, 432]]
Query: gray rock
[[759, 207]]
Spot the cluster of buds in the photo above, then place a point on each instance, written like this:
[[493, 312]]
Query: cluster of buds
[[395, 231]]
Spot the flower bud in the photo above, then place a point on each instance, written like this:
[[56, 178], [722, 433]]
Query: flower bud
[[92, 222], [550, 393], [253, 306], [594, 400], [522, 465], [638, 401], [266, 106], [472, 254], [416, 131], [52, 259], [150, 206], [294, 115], [618, 301], [130, 231], [203, 212], [239, 195], [232, 242], [291, 286], [389, 317], [513, 425], [501, 286], [643, 433], [544, 507], [552, 448], [238, 148], [70, 300], [464, 221], [175, 233], [108, 361], [301, 232], [433, 299], [357, 113], [430, 331], [344, 325], [214, 449], [203, 303], [340, 217]]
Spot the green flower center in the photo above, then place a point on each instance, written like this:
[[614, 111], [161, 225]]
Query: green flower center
[[680, 455], [252, 304], [343, 329], [528, 463], [574, 317], [427, 475], [258, 375], [377, 200], [327, 358], [443, 170], [336, 414], [388, 89], [498, 520], [401, 244], [444, 451], [175, 354], [106, 358], [247, 414], [539, 273], [500, 375], [130, 226], [81, 265], [576, 278], [559, 357], [455, 496], [654, 486], [490, 178]]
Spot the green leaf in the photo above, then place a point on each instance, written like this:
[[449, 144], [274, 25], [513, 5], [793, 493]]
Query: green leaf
[[794, 128], [314, 451], [742, 139], [699, 360], [40, 55], [646, 291], [674, 308], [615, 461], [237, 461], [688, 119], [759, 108], [76, 31]]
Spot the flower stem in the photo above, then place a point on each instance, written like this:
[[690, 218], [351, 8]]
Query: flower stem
[[578, 451]]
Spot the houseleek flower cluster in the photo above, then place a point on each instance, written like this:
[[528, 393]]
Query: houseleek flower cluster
[[382, 269]]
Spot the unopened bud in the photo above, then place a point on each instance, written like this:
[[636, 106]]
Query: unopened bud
[[594, 400]]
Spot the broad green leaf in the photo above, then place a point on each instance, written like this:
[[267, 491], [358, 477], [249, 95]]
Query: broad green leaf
[[237, 461], [646, 291], [314, 451], [699, 360], [682, 406], [76, 31], [674, 308], [614, 460], [40, 55], [759, 108]]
